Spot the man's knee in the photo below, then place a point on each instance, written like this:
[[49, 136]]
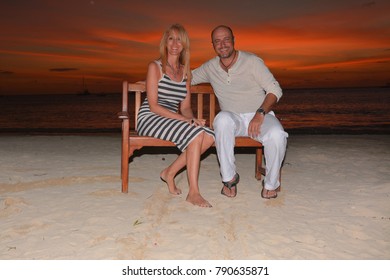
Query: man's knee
[[222, 121], [276, 135]]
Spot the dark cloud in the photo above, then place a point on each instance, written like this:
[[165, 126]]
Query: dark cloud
[[369, 4], [6, 72], [63, 69]]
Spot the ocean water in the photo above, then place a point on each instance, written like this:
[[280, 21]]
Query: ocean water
[[339, 110], [301, 111]]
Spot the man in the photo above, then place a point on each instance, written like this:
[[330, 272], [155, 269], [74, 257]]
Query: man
[[246, 91]]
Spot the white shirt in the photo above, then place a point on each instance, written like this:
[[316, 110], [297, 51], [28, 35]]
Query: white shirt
[[243, 88]]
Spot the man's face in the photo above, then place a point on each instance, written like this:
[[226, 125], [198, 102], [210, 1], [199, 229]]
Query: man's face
[[223, 43]]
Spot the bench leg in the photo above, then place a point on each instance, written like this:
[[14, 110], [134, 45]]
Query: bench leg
[[127, 152], [259, 170], [125, 156], [280, 178]]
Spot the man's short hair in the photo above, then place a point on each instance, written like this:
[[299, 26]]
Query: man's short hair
[[222, 26]]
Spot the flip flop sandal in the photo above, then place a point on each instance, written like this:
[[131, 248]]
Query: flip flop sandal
[[266, 192], [231, 184]]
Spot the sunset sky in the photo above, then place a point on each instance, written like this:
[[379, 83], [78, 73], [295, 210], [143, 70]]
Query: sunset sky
[[54, 46]]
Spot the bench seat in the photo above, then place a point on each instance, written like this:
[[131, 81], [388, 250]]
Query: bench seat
[[205, 109]]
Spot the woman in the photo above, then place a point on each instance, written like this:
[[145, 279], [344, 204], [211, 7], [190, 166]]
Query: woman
[[166, 112]]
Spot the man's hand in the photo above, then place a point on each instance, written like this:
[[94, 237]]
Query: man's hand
[[254, 125]]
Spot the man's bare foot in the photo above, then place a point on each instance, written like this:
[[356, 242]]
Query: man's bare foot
[[198, 200], [169, 180]]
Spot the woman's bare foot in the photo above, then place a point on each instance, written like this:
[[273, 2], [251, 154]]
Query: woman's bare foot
[[198, 200], [169, 180]]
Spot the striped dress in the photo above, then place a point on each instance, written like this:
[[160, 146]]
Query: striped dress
[[170, 94]]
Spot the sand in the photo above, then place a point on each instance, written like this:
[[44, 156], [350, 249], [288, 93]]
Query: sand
[[60, 199]]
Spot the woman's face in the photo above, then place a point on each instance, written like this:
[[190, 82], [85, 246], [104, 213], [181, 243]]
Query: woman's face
[[174, 44]]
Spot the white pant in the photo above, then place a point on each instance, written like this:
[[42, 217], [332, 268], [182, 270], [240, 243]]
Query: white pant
[[228, 125]]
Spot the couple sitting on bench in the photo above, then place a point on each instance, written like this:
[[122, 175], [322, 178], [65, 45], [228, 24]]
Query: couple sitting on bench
[[246, 91]]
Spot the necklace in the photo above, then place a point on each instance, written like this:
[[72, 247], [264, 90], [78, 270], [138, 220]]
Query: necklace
[[175, 73], [231, 62]]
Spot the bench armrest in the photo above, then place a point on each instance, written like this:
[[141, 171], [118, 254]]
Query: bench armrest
[[123, 115]]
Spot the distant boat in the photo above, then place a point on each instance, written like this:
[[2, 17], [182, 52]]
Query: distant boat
[[85, 92], [84, 89]]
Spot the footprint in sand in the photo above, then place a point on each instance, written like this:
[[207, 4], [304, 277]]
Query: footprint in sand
[[10, 206], [105, 193]]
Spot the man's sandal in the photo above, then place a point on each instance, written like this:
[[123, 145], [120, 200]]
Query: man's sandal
[[266, 196], [231, 184]]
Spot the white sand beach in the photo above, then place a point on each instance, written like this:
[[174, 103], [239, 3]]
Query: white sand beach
[[60, 199]]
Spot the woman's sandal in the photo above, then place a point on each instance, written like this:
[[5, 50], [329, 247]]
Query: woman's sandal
[[231, 184]]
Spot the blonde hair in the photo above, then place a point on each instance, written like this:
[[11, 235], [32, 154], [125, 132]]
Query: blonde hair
[[184, 58]]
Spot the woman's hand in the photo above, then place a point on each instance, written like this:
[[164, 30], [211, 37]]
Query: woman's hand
[[197, 122]]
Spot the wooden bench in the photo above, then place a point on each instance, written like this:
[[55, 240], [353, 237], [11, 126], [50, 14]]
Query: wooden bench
[[131, 141]]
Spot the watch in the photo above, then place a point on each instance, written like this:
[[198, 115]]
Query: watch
[[261, 111]]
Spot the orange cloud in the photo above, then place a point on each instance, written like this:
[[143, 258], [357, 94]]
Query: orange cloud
[[108, 42]]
